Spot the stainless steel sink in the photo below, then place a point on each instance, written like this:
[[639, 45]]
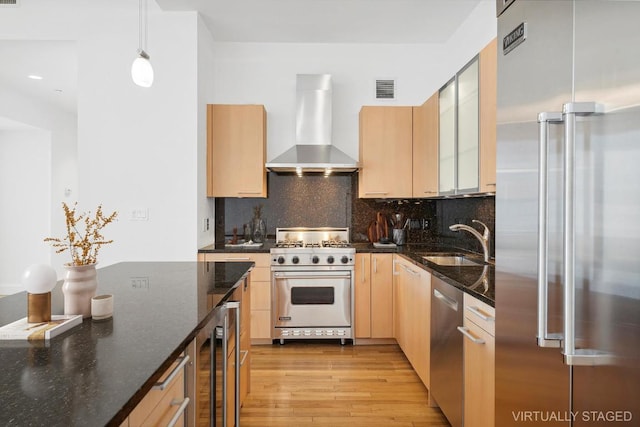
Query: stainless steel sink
[[455, 260]]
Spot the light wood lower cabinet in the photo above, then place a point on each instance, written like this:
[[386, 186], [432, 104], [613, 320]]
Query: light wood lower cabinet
[[260, 315], [373, 295], [479, 363], [412, 314], [164, 402]]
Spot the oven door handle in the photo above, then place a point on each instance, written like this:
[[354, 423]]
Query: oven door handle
[[324, 277]]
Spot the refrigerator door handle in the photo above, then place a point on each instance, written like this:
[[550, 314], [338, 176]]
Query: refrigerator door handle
[[545, 339], [572, 355]]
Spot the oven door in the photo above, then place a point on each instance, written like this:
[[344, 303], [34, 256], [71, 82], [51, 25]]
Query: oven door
[[311, 299]]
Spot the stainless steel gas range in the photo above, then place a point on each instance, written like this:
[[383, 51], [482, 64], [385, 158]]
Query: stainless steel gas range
[[312, 284]]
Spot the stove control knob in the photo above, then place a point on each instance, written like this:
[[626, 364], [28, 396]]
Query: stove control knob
[[280, 260], [315, 259], [344, 259], [330, 259], [295, 260]]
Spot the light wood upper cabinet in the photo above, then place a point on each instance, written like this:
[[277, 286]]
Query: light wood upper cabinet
[[386, 139], [467, 127], [236, 151], [425, 148], [488, 101]]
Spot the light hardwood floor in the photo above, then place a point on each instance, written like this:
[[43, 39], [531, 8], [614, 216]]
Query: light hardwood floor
[[325, 384]]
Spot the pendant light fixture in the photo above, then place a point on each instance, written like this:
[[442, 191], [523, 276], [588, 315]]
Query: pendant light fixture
[[141, 69]]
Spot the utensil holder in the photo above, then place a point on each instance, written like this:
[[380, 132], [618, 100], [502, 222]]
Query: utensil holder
[[399, 236]]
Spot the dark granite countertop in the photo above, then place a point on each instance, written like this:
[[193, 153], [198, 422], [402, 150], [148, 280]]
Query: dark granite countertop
[[97, 372], [467, 278], [266, 246]]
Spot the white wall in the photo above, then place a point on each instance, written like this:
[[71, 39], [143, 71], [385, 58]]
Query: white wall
[[137, 147], [206, 61], [48, 220], [25, 174], [265, 73], [143, 149]]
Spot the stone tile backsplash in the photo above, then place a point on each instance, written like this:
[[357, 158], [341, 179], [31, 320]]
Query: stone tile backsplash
[[316, 201]]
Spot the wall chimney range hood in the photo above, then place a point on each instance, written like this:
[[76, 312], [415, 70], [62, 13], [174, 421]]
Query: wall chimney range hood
[[313, 151]]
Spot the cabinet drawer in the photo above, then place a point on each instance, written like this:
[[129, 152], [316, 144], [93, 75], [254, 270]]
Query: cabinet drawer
[[168, 405], [157, 403], [480, 313]]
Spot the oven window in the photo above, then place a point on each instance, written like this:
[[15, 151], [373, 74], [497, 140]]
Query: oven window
[[312, 295]]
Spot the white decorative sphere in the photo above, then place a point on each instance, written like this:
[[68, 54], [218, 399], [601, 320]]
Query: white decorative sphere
[[39, 278]]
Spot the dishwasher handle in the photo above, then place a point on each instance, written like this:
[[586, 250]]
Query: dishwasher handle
[[450, 302]]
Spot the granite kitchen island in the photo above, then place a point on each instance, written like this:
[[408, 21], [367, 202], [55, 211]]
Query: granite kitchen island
[[97, 372]]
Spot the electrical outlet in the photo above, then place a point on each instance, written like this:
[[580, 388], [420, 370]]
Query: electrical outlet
[[140, 214], [205, 224], [425, 224], [140, 283]]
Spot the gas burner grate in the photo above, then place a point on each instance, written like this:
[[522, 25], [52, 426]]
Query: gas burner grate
[[335, 244], [289, 244]]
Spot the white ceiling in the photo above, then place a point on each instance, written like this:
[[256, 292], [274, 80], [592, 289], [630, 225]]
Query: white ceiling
[[55, 61], [286, 21], [329, 21]]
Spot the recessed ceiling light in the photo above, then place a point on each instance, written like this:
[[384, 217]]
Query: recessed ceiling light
[[35, 77]]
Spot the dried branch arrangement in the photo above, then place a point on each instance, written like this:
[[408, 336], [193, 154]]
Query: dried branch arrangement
[[84, 247]]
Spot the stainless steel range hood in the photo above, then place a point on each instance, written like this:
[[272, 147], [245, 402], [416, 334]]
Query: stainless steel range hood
[[313, 151]]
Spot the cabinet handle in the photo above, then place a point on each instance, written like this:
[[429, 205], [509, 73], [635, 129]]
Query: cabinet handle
[[465, 331], [480, 314], [237, 259], [375, 265], [434, 192], [376, 192], [249, 192], [245, 353], [453, 304], [179, 412], [407, 269], [164, 384], [364, 277], [394, 272], [493, 184]]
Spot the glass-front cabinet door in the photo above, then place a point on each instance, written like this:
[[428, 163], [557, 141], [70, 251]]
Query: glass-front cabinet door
[[468, 129], [447, 139], [459, 133]]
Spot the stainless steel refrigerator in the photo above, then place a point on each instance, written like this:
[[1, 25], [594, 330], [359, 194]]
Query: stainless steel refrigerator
[[568, 213]]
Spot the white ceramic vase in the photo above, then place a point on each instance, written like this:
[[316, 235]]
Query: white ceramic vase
[[80, 284]]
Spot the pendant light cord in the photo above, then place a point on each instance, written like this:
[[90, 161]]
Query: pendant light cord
[[142, 21]]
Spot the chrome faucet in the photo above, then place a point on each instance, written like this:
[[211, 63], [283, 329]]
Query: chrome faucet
[[482, 238]]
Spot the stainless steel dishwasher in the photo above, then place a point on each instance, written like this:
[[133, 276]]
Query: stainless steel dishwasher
[[447, 386]]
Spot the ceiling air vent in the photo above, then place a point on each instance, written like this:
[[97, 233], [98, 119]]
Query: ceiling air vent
[[385, 89], [9, 3]]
